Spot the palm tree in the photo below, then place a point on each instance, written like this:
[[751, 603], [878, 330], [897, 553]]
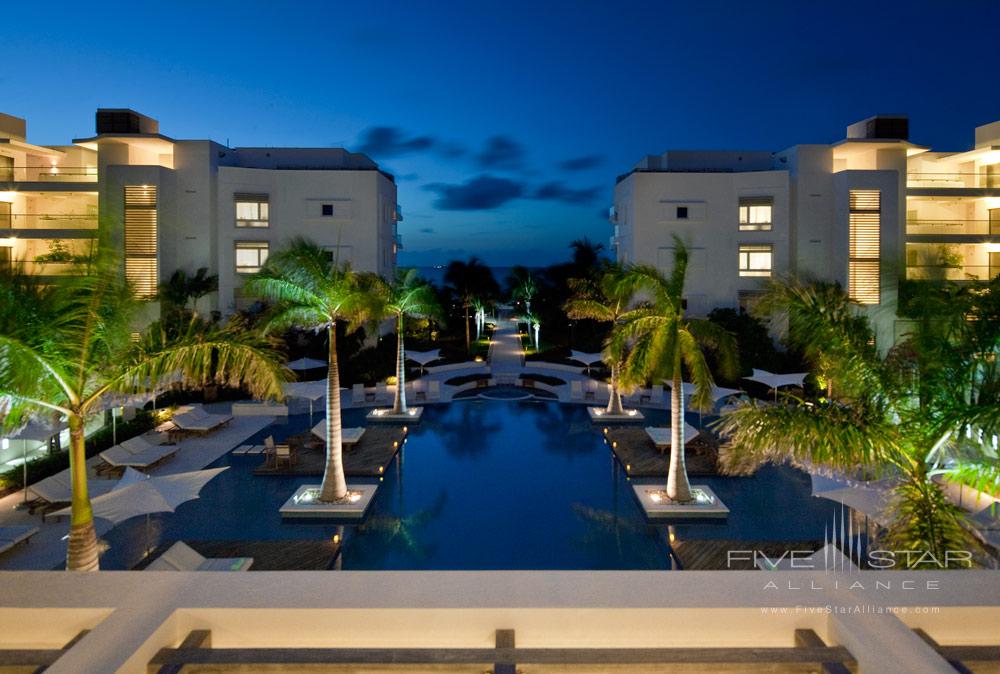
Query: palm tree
[[522, 286], [64, 348], [312, 291], [201, 284], [586, 255], [606, 301], [409, 295], [470, 280], [879, 424], [664, 343]]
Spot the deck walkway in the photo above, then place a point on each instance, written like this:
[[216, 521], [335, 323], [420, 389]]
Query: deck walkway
[[506, 353], [273, 555], [713, 554], [635, 451], [370, 457]]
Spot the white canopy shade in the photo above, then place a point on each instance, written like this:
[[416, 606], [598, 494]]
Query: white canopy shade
[[660, 435], [868, 498], [687, 388], [423, 357], [587, 359], [38, 431], [720, 392], [306, 364], [775, 381], [310, 390], [138, 494]]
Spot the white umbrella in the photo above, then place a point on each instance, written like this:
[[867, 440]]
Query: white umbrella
[[310, 390], [587, 359], [306, 364], [776, 381], [34, 431], [139, 494], [423, 357], [868, 498]]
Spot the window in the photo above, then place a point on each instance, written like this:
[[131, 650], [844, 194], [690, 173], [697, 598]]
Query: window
[[755, 214], [864, 266], [141, 239], [252, 210], [251, 256], [682, 212], [327, 210], [756, 259]]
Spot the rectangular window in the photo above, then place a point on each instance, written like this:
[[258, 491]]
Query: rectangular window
[[755, 214], [756, 259], [682, 212], [252, 210], [141, 259], [251, 256], [864, 255], [327, 210]]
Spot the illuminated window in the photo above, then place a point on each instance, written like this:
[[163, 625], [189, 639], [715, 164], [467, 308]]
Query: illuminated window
[[251, 256], [141, 260], [755, 214], [756, 259], [252, 210], [864, 266]]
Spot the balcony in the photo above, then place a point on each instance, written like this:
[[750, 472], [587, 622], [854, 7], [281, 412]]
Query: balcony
[[48, 222], [953, 227], [49, 174], [954, 180], [939, 272]]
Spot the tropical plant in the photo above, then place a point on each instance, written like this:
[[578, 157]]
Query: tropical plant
[[311, 291], [522, 286], [470, 280], [181, 288], [66, 348], [607, 300], [664, 344], [408, 296], [586, 256], [874, 422]]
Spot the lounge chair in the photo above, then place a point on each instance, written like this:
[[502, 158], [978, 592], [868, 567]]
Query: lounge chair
[[197, 420], [660, 435], [56, 491], [13, 535], [358, 394], [140, 452], [434, 390], [576, 390], [277, 453], [348, 436], [181, 557]]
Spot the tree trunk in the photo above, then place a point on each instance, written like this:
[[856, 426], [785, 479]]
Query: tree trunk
[[399, 402], [678, 488], [468, 337], [334, 483], [615, 403], [81, 553]]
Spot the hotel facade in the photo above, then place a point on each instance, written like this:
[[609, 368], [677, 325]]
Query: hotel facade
[[170, 204], [866, 211]]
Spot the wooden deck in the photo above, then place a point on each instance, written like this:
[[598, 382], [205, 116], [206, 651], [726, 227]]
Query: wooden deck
[[275, 555], [368, 458], [641, 458], [713, 554]]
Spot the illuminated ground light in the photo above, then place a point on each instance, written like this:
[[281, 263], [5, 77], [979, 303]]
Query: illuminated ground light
[[656, 503], [305, 503]]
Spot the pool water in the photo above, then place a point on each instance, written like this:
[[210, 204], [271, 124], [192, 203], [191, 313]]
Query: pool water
[[486, 485]]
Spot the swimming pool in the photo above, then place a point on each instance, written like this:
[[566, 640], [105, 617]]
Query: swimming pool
[[486, 484]]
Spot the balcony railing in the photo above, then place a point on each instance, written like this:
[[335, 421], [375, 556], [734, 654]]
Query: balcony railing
[[957, 227], [47, 221], [51, 174], [952, 273], [954, 179]]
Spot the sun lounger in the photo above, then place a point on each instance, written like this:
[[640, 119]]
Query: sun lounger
[[13, 535], [56, 491], [348, 436], [181, 557], [120, 457], [660, 435], [197, 420]]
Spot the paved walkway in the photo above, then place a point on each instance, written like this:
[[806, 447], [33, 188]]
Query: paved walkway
[[506, 353]]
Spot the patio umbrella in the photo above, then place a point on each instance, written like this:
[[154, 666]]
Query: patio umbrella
[[306, 364], [776, 381], [423, 357], [310, 390], [587, 359], [139, 494], [868, 498], [34, 431]]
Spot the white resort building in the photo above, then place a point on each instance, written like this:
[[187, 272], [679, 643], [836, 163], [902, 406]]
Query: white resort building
[[174, 204], [865, 211]]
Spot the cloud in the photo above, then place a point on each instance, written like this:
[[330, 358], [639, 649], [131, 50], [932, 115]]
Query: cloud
[[582, 163], [557, 191], [501, 152], [390, 141], [482, 193]]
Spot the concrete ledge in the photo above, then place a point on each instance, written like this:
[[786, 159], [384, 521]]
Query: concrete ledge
[[384, 415], [656, 506], [259, 409], [599, 416], [303, 503]]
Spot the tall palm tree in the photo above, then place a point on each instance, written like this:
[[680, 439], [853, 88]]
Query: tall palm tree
[[65, 348], [409, 295], [586, 255], [664, 344], [313, 291], [470, 280], [607, 301], [522, 286], [878, 424]]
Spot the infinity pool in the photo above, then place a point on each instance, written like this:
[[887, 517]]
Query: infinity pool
[[486, 485]]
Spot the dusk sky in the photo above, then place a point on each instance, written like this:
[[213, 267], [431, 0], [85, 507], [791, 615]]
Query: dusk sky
[[505, 124]]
